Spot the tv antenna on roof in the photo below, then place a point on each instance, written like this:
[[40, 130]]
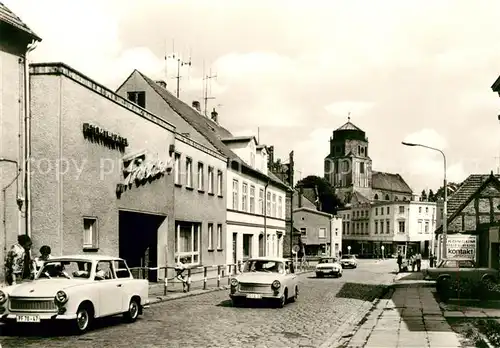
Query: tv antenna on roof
[[180, 63], [206, 79]]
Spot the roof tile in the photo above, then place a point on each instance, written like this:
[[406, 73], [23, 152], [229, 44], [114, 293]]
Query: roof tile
[[390, 182], [9, 17]]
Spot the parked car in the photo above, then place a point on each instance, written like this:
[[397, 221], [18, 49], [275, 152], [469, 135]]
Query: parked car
[[328, 266], [349, 261], [77, 289], [452, 269], [265, 278]]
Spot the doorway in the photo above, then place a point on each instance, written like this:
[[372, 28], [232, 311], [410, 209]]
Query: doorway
[[495, 254], [138, 241]]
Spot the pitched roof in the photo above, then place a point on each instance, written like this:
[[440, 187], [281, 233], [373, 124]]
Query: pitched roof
[[360, 198], [239, 139], [464, 195], [496, 85], [348, 126], [211, 130], [390, 182], [10, 18]]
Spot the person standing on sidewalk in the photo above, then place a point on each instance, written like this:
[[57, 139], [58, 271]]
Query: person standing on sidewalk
[[400, 261], [418, 261], [18, 263]]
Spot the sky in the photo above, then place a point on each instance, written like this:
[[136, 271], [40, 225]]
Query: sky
[[291, 71]]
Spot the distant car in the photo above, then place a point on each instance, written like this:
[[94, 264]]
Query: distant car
[[349, 261], [265, 278], [452, 269], [78, 289], [328, 266]]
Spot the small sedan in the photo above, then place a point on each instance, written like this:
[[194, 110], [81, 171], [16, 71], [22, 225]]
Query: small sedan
[[349, 261], [265, 278], [328, 266], [75, 289]]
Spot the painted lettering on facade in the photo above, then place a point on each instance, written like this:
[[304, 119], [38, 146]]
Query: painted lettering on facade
[[104, 137], [461, 246]]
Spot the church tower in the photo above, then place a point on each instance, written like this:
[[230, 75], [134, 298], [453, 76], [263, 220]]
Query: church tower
[[348, 168]]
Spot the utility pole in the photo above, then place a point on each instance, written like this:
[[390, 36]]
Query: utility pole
[[206, 97], [291, 164]]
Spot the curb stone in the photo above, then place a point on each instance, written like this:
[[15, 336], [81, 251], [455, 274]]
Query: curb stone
[[160, 299]]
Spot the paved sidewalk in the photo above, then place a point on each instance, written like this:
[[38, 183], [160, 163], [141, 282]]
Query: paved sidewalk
[[470, 309], [409, 316]]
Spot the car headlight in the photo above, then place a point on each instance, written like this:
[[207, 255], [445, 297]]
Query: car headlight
[[61, 297], [276, 285], [3, 297], [234, 282]]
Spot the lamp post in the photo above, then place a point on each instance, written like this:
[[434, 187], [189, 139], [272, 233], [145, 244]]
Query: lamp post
[[445, 203]]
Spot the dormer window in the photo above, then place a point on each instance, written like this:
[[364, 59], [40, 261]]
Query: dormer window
[[252, 160], [137, 97]]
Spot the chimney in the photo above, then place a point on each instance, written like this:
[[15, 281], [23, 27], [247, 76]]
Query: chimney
[[214, 115], [270, 156], [301, 192], [162, 83], [196, 105]]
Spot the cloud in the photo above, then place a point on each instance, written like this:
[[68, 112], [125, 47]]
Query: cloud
[[343, 108], [310, 153], [427, 137]]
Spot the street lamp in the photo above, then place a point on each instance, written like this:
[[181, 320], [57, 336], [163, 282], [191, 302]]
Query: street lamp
[[445, 203]]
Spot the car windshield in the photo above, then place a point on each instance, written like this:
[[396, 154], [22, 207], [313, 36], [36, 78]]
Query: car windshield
[[264, 266], [65, 269], [329, 260]]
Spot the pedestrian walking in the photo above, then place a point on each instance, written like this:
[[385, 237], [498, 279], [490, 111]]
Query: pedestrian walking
[[413, 262], [431, 260], [180, 267], [418, 261], [18, 262], [400, 261], [45, 252]]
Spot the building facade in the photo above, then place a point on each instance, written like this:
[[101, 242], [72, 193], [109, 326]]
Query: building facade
[[199, 177], [15, 43], [403, 226], [102, 171], [255, 205]]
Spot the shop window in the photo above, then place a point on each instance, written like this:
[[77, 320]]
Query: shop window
[[138, 98], [187, 242], [90, 233]]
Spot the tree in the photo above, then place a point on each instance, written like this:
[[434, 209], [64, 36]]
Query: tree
[[330, 202], [423, 195], [431, 197]]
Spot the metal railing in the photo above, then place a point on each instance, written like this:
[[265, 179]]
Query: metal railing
[[215, 274]]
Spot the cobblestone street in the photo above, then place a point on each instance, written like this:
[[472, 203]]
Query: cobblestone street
[[325, 309]]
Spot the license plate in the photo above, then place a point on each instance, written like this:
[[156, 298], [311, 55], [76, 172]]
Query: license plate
[[254, 296], [28, 319]]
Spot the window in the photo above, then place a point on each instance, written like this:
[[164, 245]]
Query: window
[[187, 241], [322, 232], [219, 183], [280, 207], [419, 226], [235, 194], [106, 269], [376, 211], [366, 228], [201, 183], [247, 246], [401, 226], [261, 201], [252, 160], [401, 209], [362, 168], [450, 264], [362, 228], [427, 210], [121, 269], [90, 236], [420, 210], [210, 180], [244, 197], [388, 210], [189, 172], [376, 227], [387, 197], [273, 209], [210, 236], [219, 236], [137, 97], [268, 204], [375, 197], [303, 231], [465, 264], [381, 227], [177, 168], [252, 199], [427, 227], [388, 227]]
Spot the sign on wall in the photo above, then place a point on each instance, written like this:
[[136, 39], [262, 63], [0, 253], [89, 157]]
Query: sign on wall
[[461, 246]]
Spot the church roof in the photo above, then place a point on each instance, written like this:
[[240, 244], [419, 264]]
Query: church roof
[[10, 18], [349, 126], [390, 182]]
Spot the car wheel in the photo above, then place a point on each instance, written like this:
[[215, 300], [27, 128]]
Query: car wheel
[[296, 295], [319, 275], [282, 299], [340, 275], [133, 311], [83, 320]]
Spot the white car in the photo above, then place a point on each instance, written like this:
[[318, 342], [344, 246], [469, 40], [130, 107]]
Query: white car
[[328, 266], [349, 261], [78, 289], [265, 278]]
